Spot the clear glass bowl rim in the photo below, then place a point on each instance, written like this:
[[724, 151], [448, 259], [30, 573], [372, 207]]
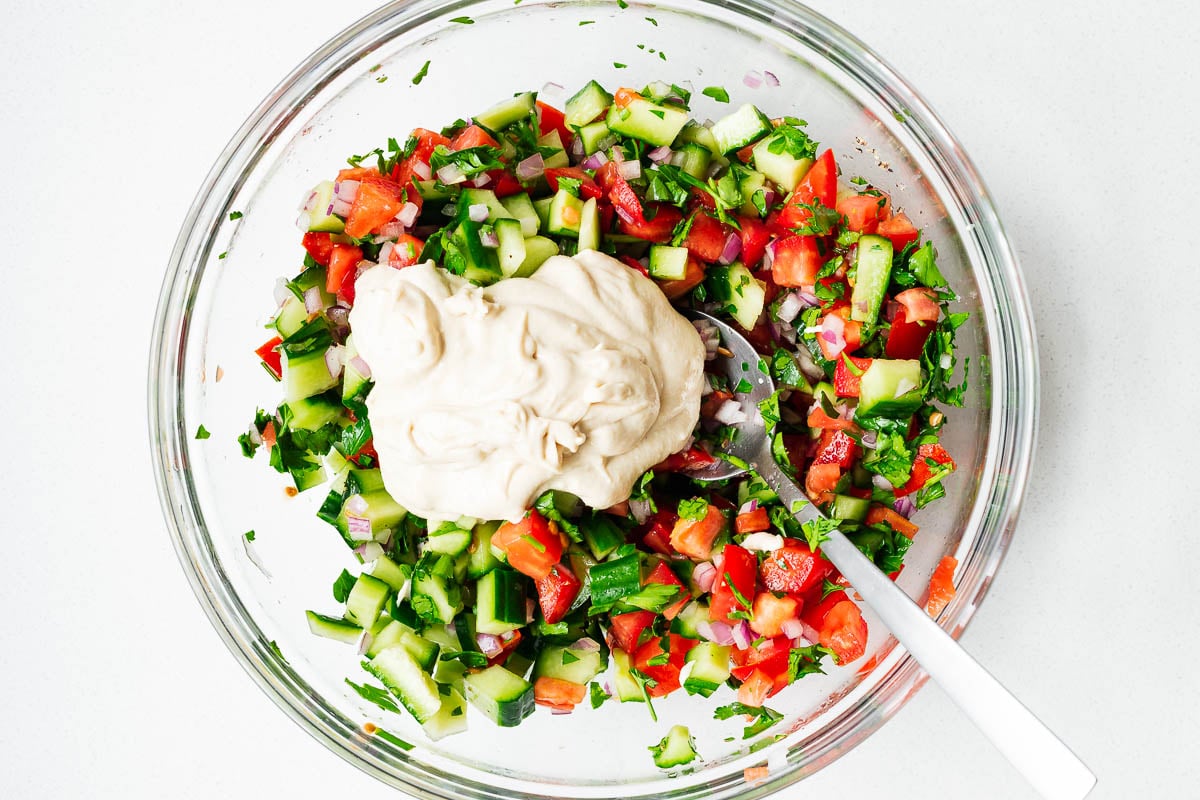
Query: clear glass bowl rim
[[1014, 366]]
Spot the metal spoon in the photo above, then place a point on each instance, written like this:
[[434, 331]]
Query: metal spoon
[[1022, 738]]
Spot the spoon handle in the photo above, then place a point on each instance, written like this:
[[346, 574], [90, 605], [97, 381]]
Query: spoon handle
[[1048, 764]]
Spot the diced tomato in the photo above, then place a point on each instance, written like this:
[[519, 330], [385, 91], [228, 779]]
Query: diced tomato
[[365, 452], [588, 188], [820, 183], [797, 261], [427, 140], [269, 353], [551, 119], [770, 612], [919, 305], [794, 569], [656, 533], [835, 447], [693, 276], [694, 538], [504, 184], [921, 471], [746, 153], [509, 642], [626, 629], [817, 418], [624, 97], [846, 380], [770, 656], [694, 458], [624, 199], [862, 211], [666, 576], [343, 262], [472, 136], [706, 238], [531, 546], [713, 402], [406, 251], [941, 586], [754, 690], [822, 478], [846, 333], [357, 174], [319, 246], [752, 521], [900, 230], [844, 631], [633, 263], [877, 514], [907, 339], [377, 202], [736, 578], [657, 228], [556, 592], [665, 676], [755, 236], [268, 435], [558, 694]]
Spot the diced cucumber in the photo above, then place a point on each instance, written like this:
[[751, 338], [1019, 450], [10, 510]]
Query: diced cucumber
[[306, 479], [450, 719], [825, 389], [537, 250], [589, 225], [486, 197], [436, 190], [340, 630], [503, 697], [423, 651], [601, 535], [559, 157], [305, 376], [780, 167], [367, 480], [596, 137], [873, 270], [667, 263], [499, 601], [366, 600], [311, 413], [413, 687], [588, 103], [850, 508], [744, 126], [742, 293], [387, 636], [511, 252], [448, 539], [566, 211], [652, 123], [625, 688], [446, 671], [475, 262], [506, 112], [696, 158], [480, 560], [382, 511], [291, 315], [542, 209], [520, 207], [394, 575], [890, 387], [318, 220], [686, 622], [436, 597], [710, 668], [676, 749], [755, 488], [576, 666], [751, 181], [695, 132]]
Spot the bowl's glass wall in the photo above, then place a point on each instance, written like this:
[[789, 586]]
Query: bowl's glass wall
[[355, 94]]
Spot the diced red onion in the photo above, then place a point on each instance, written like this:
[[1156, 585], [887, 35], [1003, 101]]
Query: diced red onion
[[356, 504], [713, 169], [946, 361], [640, 510], [595, 161], [742, 635], [753, 79], [369, 551], [809, 299], [710, 336], [338, 315], [790, 308], [769, 78], [719, 561], [833, 330], [361, 366], [359, 527], [339, 207], [385, 252], [450, 174], [769, 197], [333, 360], [489, 645], [577, 148], [882, 483], [489, 239], [255, 436], [659, 154], [869, 438], [618, 154], [478, 212], [706, 387], [762, 542], [768, 255], [749, 506], [625, 215], [558, 711], [730, 413], [732, 249], [346, 190], [792, 628], [481, 180], [281, 292], [364, 642], [586, 645], [531, 168], [408, 214], [551, 91], [421, 171], [904, 506], [719, 632], [304, 221], [310, 202], [704, 575], [390, 230], [630, 170], [530, 607], [677, 158], [810, 633]]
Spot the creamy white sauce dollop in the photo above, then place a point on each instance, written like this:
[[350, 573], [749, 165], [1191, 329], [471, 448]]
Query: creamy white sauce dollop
[[579, 378]]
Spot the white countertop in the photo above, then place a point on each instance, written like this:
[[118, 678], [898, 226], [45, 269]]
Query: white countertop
[[1082, 119]]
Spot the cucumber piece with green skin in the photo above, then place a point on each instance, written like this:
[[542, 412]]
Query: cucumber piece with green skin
[[305, 479], [506, 112], [743, 127], [751, 181], [311, 413], [448, 539], [499, 602], [890, 387], [446, 671], [566, 211], [667, 263], [479, 264], [318, 220], [480, 560], [537, 250], [686, 622], [450, 719], [848, 507], [781, 167], [340, 630], [486, 197], [595, 137], [305, 376], [389, 636], [559, 157], [504, 697], [436, 190], [755, 488], [601, 535], [423, 651], [293, 314], [566, 664], [744, 295], [436, 597], [625, 688], [366, 600], [695, 132], [542, 209], [354, 383], [589, 225], [696, 158], [873, 271], [394, 575], [511, 252], [710, 668], [383, 512], [367, 480], [586, 105], [412, 686], [652, 123], [520, 208], [676, 749]]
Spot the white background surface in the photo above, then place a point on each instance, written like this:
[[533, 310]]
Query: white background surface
[[1082, 119]]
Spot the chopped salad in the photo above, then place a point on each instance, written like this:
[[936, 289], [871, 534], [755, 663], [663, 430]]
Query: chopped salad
[[706, 588]]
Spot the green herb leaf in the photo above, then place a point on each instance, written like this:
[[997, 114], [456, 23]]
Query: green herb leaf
[[828, 587], [373, 694], [343, 585], [249, 536], [468, 658], [762, 717], [471, 161], [806, 661], [816, 532], [619, 65], [597, 694], [463, 20], [202, 433], [653, 597], [421, 73], [695, 509], [717, 93], [822, 220], [393, 738], [788, 138], [235, 215]]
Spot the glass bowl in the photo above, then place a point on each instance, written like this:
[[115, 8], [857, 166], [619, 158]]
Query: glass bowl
[[349, 97]]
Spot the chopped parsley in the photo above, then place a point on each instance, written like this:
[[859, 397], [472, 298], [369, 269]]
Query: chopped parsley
[[421, 73], [583, 22], [619, 65], [248, 536], [393, 738], [717, 93], [373, 694], [806, 661], [789, 138], [471, 161], [235, 215], [762, 717], [652, 21], [694, 509], [816, 532], [597, 695], [343, 585], [463, 20], [202, 433]]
